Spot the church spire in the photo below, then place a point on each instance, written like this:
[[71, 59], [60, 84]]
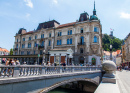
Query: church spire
[[94, 10]]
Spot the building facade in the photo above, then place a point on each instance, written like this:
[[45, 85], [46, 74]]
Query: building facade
[[3, 51], [127, 50], [84, 37]]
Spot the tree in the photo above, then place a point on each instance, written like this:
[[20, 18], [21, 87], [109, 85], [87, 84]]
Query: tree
[[11, 51], [106, 41]]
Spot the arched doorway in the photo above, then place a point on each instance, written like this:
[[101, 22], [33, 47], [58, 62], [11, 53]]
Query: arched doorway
[[81, 60], [93, 61]]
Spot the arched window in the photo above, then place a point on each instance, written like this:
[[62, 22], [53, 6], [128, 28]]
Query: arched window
[[82, 40], [93, 61], [71, 41], [95, 39]]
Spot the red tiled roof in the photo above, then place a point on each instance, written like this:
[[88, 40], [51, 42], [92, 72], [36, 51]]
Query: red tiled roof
[[65, 25], [118, 52], [30, 32], [4, 50]]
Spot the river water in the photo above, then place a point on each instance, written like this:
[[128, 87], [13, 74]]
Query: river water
[[63, 90]]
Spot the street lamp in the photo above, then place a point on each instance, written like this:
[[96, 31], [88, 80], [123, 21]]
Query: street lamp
[[111, 52], [43, 56]]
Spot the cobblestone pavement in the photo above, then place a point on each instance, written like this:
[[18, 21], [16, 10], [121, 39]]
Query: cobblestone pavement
[[123, 80]]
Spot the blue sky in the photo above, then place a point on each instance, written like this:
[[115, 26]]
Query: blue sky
[[15, 14]]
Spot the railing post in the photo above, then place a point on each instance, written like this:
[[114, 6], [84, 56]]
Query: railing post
[[60, 69], [43, 70], [16, 72]]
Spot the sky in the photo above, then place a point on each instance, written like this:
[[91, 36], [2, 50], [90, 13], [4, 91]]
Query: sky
[[16, 14]]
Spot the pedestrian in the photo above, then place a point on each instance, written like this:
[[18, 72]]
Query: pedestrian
[[48, 63]]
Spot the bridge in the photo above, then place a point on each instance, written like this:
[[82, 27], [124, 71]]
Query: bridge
[[41, 79]]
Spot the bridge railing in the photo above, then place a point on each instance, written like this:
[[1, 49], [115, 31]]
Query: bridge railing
[[34, 70]]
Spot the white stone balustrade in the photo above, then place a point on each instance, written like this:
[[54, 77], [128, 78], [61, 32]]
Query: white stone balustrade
[[34, 70]]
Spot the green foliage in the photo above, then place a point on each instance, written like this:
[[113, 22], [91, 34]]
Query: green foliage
[[106, 41], [11, 51]]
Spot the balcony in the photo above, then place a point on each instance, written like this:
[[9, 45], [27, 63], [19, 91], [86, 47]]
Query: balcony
[[81, 43], [15, 49], [41, 47]]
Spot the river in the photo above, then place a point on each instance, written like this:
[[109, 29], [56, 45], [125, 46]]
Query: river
[[63, 90]]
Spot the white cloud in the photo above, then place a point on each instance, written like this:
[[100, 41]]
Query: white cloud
[[55, 1], [29, 3], [125, 15]]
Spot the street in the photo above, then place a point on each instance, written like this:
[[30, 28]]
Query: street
[[123, 80]]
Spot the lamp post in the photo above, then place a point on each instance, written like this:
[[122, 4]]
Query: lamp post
[[111, 52], [43, 56]]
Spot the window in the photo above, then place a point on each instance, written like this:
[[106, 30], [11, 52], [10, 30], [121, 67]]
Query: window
[[81, 50], [35, 44], [70, 32], [35, 36], [28, 52], [42, 43], [95, 29], [17, 40], [42, 36], [81, 30], [23, 39], [49, 42], [68, 41], [29, 38], [60, 33], [23, 45], [22, 52], [71, 41], [17, 46], [59, 42], [49, 34], [29, 45], [15, 53], [95, 39], [82, 40]]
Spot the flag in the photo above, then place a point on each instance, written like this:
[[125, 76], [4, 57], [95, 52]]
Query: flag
[[111, 29]]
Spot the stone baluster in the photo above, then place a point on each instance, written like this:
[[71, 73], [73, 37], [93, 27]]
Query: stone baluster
[[43, 71], [16, 72]]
